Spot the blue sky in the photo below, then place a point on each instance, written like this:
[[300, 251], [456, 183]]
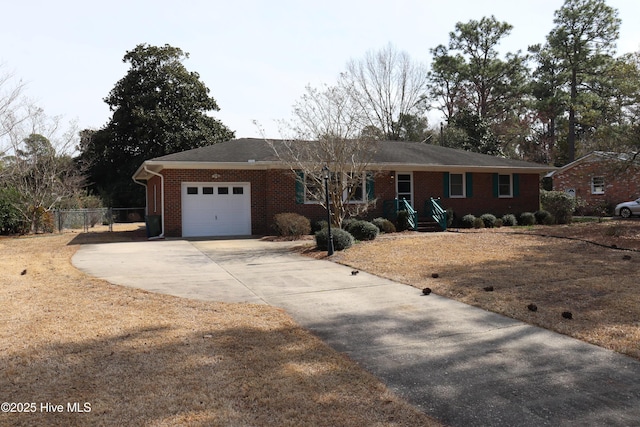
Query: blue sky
[[256, 57]]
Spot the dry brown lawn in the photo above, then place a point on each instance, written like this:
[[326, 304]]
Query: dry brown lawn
[[578, 268], [140, 358]]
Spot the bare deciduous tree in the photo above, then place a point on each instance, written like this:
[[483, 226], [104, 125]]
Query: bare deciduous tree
[[389, 87]]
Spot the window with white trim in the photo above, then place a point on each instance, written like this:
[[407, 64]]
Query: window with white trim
[[357, 186], [456, 185], [597, 185], [505, 186]]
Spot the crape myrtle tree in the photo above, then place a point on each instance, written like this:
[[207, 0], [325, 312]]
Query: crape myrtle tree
[[328, 128], [159, 108]]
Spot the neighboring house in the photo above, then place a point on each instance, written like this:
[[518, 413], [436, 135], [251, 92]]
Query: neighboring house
[[600, 180], [236, 187]]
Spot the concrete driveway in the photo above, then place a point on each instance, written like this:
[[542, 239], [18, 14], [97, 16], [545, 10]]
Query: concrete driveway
[[460, 364]]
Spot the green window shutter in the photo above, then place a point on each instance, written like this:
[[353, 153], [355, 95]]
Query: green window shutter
[[299, 187], [469, 178], [516, 185], [496, 181], [370, 183], [445, 185]]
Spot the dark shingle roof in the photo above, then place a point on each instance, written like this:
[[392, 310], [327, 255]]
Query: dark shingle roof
[[388, 152]]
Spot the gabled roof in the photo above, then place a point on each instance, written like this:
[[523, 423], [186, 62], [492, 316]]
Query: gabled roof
[[253, 153], [596, 156]]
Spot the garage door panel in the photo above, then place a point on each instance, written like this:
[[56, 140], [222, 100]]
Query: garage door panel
[[216, 209]]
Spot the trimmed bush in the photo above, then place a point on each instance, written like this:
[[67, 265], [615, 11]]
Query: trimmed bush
[[527, 218], [478, 223], [543, 217], [509, 220], [560, 204], [341, 239], [363, 230], [467, 221], [346, 223], [497, 223], [384, 225], [318, 225], [291, 225], [402, 222], [489, 220]]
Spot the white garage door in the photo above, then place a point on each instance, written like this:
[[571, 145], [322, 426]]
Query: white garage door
[[216, 209]]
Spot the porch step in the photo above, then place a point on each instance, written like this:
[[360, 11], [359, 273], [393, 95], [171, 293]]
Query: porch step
[[428, 226]]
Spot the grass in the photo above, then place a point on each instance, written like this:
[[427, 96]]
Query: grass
[[578, 268], [140, 358]]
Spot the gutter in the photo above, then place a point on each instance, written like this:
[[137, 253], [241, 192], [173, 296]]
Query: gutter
[[161, 236]]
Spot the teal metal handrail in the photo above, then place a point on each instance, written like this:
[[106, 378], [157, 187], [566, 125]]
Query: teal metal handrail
[[436, 212], [412, 214], [392, 207]]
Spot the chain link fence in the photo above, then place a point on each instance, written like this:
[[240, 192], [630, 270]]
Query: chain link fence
[[88, 219]]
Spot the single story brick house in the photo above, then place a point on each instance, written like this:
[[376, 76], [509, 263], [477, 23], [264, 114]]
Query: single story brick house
[[236, 187], [600, 179]]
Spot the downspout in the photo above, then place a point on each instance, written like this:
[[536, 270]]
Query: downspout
[[161, 236]]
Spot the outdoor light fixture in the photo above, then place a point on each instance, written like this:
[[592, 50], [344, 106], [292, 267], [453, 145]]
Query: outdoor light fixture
[[326, 176], [215, 176]]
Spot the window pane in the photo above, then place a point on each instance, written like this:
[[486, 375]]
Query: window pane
[[223, 190], [597, 185], [238, 190], [456, 185], [192, 190], [404, 187], [207, 190], [504, 185]]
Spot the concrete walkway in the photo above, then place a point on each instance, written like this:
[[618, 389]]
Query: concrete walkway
[[459, 364]]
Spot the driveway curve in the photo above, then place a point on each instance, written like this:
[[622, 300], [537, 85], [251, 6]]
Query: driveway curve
[[460, 364]]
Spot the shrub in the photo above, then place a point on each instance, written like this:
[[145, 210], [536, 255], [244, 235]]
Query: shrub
[[291, 225], [509, 220], [11, 220], [560, 204], [543, 217], [363, 230], [402, 221], [341, 239], [451, 215], [384, 225], [346, 223], [527, 218], [318, 225], [488, 219], [478, 223], [497, 223], [467, 221]]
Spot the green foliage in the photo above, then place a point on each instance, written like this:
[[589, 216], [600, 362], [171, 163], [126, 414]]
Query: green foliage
[[544, 217], [467, 221], [402, 221], [159, 107], [489, 220], [341, 239], [559, 204], [478, 223], [509, 220], [363, 230], [384, 225], [291, 225], [318, 225], [11, 220], [527, 218], [497, 223]]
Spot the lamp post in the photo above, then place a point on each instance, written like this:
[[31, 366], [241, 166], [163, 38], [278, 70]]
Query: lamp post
[[326, 175]]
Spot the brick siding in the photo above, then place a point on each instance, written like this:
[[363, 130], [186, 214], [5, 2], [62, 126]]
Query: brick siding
[[621, 183], [273, 191]]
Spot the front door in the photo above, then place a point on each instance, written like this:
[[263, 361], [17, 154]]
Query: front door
[[404, 186]]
